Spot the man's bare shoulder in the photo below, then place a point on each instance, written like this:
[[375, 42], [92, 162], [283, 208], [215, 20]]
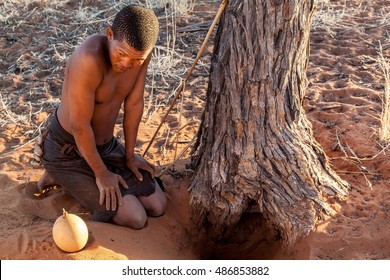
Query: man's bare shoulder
[[93, 48], [93, 42], [91, 54]]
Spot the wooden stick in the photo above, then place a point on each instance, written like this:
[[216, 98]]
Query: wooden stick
[[182, 86]]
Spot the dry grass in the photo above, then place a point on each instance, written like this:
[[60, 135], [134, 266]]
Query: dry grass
[[333, 16], [330, 17], [43, 34], [55, 28], [172, 7], [35, 69], [31, 74], [384, 131]]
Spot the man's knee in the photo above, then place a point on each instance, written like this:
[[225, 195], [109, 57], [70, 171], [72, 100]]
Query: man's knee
[[138, 222], [158, 208], [131, 220]]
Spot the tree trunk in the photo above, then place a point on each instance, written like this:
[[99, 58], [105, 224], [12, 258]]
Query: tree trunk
[[255, 143]]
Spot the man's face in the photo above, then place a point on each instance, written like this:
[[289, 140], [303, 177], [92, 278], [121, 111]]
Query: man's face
[[124, 57]]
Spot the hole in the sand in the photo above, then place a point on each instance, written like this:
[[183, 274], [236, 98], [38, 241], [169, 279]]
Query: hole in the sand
[[251, 239]]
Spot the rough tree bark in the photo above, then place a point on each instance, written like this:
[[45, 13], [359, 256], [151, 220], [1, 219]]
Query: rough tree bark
[[256, 143]]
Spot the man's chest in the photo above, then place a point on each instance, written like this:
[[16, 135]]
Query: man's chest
[[115, 89]]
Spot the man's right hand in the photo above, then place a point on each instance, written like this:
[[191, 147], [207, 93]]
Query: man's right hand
[[108, 184]]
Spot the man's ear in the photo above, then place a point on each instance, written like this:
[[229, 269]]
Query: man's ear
[[110, 34]]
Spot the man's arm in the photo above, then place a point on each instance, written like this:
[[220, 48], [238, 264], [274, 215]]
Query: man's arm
[[134, 105], [84, 76]]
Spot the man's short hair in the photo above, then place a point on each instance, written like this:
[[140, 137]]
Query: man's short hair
[[137, 25]]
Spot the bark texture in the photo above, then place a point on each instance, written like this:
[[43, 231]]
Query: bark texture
[[255, 143]]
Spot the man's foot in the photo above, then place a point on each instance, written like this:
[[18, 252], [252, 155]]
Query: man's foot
[[45, 182]]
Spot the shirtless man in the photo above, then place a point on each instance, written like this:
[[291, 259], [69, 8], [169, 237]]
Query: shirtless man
[[80, 152]]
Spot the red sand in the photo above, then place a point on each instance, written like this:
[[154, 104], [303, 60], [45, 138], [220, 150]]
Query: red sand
[[343, 102]]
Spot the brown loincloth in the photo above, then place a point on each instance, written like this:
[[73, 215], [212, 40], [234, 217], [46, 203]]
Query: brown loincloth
[[64, 163]]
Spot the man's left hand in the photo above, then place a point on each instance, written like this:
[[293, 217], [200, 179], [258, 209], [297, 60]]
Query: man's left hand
[[136, 162]]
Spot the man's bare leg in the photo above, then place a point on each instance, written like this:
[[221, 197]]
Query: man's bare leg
[[154, 204], [131, 213], [46, 181]]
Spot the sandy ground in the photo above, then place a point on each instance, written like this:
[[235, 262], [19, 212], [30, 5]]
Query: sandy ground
[[343, 102]]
